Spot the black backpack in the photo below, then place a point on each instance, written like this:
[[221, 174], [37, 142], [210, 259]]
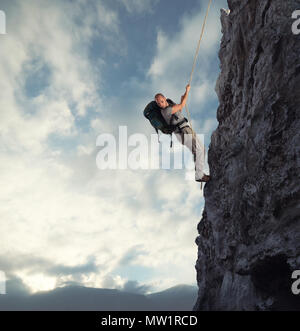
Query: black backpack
[[153, 113]]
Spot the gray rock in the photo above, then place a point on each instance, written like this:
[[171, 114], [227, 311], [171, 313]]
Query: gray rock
[[249, 234]]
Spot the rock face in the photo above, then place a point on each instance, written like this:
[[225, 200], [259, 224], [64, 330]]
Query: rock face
[[249, 234]]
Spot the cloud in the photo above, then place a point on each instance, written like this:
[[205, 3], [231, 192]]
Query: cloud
[[86, 268], [134, 287], [59, 56], [178, 50], [130, 286], [69, 222], [42, 274], [58, 209], [139, 6], [31, 264], [112, 282], [12, 262], [131, 255], [171, 67], [35, 115], [16, 287]]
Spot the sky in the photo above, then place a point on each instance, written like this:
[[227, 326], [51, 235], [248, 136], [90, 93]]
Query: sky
[[71, 71]]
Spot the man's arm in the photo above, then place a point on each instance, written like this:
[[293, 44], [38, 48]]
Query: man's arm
[[180, 106]]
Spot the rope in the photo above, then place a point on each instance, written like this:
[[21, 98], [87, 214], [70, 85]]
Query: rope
[[194, 66], [196, 56]]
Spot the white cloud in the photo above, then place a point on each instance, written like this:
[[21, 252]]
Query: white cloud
[[85, 149], [58, 206], [171, 68], [139, 6], [179, 49], [72, 82], [64, 223], [201, 92]]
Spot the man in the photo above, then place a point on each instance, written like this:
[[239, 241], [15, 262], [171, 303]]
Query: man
[[184, 133]]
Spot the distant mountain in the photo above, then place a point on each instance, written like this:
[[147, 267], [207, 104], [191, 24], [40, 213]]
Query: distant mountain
[[181, 297]]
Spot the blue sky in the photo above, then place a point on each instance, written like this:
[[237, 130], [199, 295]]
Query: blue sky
[[71, 70]]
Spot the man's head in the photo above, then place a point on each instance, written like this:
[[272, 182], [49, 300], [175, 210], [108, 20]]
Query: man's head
[[161, 101]]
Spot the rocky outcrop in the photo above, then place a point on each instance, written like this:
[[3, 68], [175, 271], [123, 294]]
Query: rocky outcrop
[[249, 234]]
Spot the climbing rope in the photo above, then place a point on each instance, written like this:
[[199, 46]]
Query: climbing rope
[[196, 56], [194, 66]]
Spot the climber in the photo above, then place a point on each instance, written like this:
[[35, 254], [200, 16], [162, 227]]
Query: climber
[[184, 133]]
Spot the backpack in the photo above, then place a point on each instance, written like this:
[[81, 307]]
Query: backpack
[[153, 113]]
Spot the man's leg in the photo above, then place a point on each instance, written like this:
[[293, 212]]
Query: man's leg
[[190, 140]]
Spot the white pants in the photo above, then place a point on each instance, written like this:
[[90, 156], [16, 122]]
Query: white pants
[[191, 141]]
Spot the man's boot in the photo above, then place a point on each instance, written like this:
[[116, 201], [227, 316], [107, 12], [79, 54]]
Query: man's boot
[[204, 179]]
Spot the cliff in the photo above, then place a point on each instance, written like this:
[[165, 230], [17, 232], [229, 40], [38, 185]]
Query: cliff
[[249, 234]]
